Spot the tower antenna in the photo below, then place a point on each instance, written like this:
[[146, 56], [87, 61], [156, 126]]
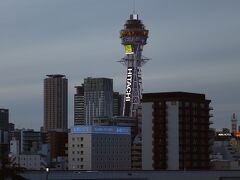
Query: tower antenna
[[133, 6]]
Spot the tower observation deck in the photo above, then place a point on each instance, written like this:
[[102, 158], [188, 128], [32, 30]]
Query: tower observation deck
[[134, 37]]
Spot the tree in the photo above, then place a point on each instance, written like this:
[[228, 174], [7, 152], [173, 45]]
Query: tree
[[10, 171]]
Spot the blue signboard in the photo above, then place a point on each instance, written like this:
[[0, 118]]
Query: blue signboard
[[100, 130]]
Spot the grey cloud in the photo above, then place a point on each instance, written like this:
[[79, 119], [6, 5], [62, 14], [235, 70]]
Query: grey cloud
[[194, 46]]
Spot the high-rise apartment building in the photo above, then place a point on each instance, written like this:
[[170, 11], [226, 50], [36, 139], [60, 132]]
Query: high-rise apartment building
[[79, 110], [98, 98], [175, 133], [4, 132], [55, 102], [4, 119]]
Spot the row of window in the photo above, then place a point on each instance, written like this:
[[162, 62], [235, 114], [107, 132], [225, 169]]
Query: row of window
[[77, 159], [78, 166], [77, 152], [77, 145], [78, 138]]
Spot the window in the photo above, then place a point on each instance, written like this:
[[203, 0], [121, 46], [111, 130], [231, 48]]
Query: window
[[173, 103], [81, 159], [81, 138], [81, 152], [81, 166], [81, 145]]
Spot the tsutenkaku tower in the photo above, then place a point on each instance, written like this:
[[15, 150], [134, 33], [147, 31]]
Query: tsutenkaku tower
[[234, 123], [134, 37]]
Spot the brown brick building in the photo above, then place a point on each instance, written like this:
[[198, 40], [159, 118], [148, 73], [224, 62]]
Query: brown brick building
[[57, 141], [175, 131]]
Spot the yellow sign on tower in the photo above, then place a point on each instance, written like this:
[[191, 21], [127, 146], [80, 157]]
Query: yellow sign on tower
[[128, 49]]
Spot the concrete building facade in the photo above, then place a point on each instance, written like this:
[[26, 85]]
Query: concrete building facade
[[99, 148], [38, 160], [98, 98], [79, 110]]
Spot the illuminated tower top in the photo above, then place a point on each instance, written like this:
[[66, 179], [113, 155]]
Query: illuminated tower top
[[134, 31]]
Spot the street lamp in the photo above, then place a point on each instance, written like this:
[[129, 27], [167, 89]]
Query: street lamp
[[47, 171]]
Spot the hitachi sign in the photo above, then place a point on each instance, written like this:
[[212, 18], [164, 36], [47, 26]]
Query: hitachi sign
[[129, 83]]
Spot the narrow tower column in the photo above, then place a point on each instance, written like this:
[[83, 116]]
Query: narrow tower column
[[134, 37], [234, 123]]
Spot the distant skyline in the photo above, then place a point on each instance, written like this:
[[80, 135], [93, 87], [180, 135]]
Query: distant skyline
[[194, 47]]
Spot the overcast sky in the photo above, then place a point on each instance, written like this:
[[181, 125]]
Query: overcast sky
[[194, 46]]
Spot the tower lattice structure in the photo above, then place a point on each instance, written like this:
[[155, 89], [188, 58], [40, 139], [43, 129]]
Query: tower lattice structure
[[134, 37], [234, 123]]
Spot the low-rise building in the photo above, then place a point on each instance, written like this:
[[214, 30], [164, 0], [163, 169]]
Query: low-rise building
[[38, 160], [99, 148], [225, 154]]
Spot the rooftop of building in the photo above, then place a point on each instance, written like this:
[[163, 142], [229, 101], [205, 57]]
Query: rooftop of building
[[56, 75], [97, 78], [178, 95], [141, 175], [91, 129]]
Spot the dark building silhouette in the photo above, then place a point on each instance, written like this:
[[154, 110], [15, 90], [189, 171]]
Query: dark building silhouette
[[4, 133], [4, 119], [118, 101], [175, 131], [57, 141], [55, 102], [79, 110]]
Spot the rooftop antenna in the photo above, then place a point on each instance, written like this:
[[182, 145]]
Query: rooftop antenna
[[133, 6]]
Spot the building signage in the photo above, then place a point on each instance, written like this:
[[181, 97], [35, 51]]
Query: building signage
[[129, 85], [224, 134], [100, 130], [237, 134], [128, 49]]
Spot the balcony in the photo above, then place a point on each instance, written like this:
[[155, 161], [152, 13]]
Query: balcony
[[210, 115], [210, 108]]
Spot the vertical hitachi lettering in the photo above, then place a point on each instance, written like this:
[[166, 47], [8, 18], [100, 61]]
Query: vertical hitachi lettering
[[129, 84]]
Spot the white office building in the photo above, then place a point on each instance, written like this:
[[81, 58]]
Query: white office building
[[37, 161], [99, 148]]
